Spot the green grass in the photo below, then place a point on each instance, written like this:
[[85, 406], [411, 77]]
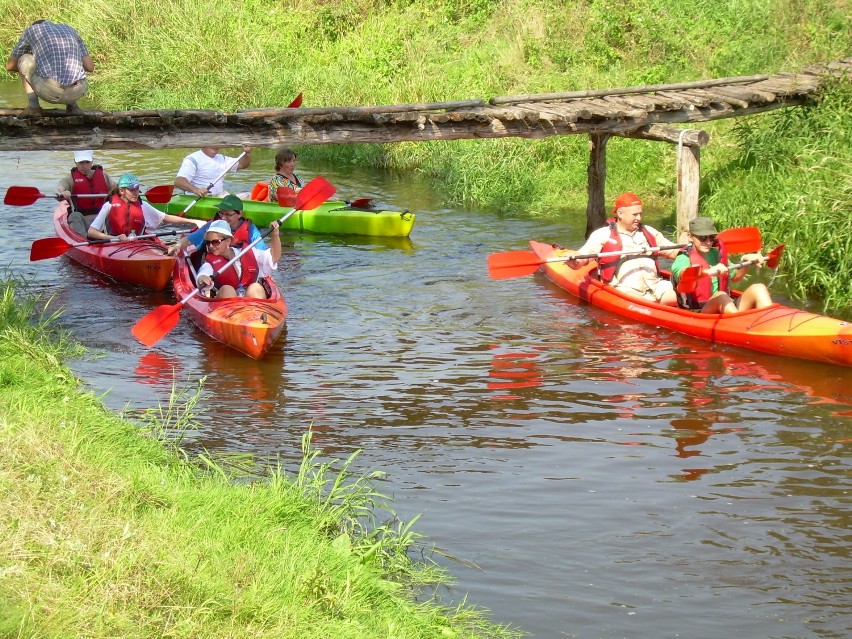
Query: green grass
[[107, 529], [255, 53]]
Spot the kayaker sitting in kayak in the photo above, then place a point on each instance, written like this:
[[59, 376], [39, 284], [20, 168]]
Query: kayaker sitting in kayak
[[244, 277], [124, 216], [229, 209], [711, 292], [636, 275], [206, 167], [285, 178], [85, 179]]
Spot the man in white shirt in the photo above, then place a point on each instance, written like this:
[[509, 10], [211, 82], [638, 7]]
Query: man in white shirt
[[203, 172]]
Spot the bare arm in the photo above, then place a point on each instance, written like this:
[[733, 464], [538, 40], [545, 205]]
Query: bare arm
[[275, 242], [88, 63], [185, 185], [12, 64], [245, 161]]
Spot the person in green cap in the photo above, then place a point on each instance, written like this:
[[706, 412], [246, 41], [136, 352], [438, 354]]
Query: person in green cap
[[712, 293], [229, 209], [124, 215]]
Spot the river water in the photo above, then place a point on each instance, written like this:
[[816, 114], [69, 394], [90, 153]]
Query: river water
[[580, 476]]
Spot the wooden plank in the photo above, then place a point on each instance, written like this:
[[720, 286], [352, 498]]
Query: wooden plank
[[594, 93]]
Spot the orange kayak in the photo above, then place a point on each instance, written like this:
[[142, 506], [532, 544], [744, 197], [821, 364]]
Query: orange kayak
[[143, 262], [248, 325], [777, 329]]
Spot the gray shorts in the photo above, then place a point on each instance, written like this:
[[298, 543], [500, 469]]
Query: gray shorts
[[49, 89]]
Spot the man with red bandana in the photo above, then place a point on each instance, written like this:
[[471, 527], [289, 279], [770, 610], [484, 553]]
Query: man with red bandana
[[636, 275]]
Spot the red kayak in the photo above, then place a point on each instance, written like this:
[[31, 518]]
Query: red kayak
[[777, 329], [248, 325], [143, 262]]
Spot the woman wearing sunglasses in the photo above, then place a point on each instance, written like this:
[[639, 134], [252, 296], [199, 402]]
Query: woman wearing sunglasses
[[244, 277], [712, 292], [124, 216]]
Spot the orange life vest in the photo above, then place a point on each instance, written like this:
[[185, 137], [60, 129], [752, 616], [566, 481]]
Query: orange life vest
[[608, 266], [250, 270], [704, 289]]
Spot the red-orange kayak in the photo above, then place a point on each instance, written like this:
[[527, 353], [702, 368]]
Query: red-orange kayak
[[778, 329], [248, 325], [143, 262]]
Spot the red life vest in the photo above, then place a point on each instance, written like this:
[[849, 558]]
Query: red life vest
[[81, 184], [242, 234], [124, 217], [704, 289], [286, 196], [250, 269], [608, 266]]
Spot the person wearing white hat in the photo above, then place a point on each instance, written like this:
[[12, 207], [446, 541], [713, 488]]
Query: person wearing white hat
[[244, 277], [86, 178]]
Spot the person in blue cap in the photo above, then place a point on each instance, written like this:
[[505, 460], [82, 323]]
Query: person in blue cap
[[124, 215]]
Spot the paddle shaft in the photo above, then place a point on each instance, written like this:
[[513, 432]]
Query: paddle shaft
[[210, 186]]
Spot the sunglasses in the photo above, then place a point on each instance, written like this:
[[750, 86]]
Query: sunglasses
[[705, 238], [131, 188], [229, 213], [216, 242]]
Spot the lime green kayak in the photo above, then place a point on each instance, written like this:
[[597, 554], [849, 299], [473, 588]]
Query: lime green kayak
[[338, 218]]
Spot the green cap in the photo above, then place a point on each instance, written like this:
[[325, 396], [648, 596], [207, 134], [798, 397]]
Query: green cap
[[702, 226], [128, 181], [230, 203]]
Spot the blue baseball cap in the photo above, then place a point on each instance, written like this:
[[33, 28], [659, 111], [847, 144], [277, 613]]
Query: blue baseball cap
[[128, 181]]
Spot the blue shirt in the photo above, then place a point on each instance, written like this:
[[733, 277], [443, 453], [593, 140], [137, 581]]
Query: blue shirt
[[58, 51]]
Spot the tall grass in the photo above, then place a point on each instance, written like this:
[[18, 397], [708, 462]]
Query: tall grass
[[233, 55]]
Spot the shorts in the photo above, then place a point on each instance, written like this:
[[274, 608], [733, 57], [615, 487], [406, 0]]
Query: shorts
[[49, 89]]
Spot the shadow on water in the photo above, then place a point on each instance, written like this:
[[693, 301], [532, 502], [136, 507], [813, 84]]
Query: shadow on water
[[607, 479]]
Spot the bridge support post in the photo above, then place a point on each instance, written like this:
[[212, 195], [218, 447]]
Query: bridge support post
[[688, 181], [596, 206]]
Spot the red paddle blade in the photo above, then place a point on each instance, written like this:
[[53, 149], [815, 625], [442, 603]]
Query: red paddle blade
[[689, 279], [361, 203], [510, 264], [774, 257], [315, 193], [296, 103], [22, 195], [160, 194], [151, 328], [48, 247], [744, 239]]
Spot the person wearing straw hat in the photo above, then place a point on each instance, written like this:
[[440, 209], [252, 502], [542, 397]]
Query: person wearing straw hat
[[124, 215], [86, 178], [244, 277], [712, 293]]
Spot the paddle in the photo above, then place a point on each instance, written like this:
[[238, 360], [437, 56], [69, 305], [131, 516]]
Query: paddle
[[162, 319], [361, 203], [48, 247], [26, 195], [296, 103], [690, 276], [520, 263], [210, 186]]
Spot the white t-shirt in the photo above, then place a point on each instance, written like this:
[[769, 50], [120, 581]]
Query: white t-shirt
[[201, 170], [265, 265], [153, 217]]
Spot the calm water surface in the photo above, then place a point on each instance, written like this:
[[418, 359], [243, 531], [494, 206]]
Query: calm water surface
[[595, 479]]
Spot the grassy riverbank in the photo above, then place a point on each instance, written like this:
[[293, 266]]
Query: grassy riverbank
[[107, 529], [233, 55]]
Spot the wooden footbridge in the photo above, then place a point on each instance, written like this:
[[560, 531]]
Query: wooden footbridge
[[644, 112]]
